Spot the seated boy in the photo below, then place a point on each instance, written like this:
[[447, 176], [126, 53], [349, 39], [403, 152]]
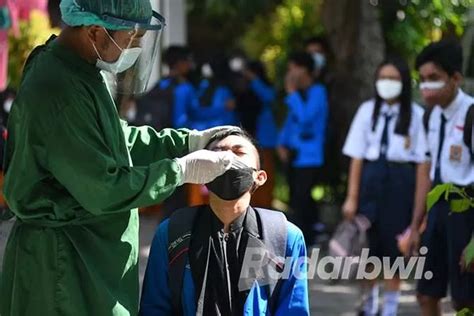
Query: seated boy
[[228, 258]]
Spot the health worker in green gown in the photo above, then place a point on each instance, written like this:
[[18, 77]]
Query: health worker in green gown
[[75, 173]]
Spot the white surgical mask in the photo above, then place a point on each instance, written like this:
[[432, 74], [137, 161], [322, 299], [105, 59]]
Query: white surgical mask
[[206, 71], [236, 64], [432, 85], [319, 60], [127, 58], [389, 89]]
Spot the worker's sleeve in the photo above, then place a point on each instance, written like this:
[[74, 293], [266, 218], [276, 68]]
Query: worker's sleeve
[[264, 92], [156, 294], [294, 296], [146, 145], [99, 178]]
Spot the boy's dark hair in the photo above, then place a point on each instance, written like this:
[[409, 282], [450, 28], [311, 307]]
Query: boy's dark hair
[[242, 133], [258, 68], [302, 59], [175, 54], [446, 54], [321, 40]]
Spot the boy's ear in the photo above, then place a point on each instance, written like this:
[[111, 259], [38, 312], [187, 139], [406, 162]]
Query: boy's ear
[[458, 77], [261, 178]]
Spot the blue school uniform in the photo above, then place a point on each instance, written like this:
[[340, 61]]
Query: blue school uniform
[[204, 116], [183, 95], [267, 130], [304, 131], [387, 188]]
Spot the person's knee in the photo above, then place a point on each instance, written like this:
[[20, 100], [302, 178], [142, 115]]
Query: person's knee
[[460, 305]]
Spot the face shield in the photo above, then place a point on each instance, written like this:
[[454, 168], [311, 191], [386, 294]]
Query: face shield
[[138, 47]]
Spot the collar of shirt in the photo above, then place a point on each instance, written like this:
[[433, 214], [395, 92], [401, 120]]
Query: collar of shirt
[[71, 58], [451, 110], [247, 220], [393, 109], [237, 224]]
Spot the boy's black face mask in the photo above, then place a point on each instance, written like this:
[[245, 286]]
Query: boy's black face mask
[[232, 184]]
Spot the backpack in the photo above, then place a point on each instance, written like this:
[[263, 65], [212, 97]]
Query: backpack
[[468, 127], [155, 108], [274, 234]]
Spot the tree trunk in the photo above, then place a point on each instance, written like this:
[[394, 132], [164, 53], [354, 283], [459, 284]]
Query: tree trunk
[[355, 36]]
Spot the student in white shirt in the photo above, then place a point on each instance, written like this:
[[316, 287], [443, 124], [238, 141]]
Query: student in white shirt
[[387, 146], [447, 233]]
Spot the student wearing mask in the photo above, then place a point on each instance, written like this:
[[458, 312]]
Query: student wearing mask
[[318, 48], [387, 147], [302, 138], [198, 258], [447, 231], [215, 104]]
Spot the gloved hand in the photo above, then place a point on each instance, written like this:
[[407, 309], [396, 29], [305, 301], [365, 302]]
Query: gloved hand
[[199, 139], [203, 166]]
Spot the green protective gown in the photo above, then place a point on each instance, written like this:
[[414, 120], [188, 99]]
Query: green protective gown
[[71, 184]]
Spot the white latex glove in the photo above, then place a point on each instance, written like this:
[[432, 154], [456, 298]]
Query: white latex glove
[[203, 166], [199, 139]]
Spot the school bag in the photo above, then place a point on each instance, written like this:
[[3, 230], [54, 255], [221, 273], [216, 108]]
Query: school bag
[[349, 238]]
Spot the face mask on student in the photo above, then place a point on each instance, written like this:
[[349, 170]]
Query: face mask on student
[[388, 89], [232, 184], [430, 90], [319, 60]]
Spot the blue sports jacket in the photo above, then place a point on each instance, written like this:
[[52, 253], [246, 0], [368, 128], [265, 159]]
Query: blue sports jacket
[[304, 130]]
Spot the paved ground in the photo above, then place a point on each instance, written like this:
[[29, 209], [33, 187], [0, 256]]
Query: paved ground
[[326, 299]]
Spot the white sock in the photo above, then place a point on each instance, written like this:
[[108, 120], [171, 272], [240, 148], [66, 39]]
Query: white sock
[[371, 301], [390, 303]]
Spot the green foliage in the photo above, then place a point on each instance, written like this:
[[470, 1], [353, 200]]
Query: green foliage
[[247, 9], [32, 33], [469, 255], [462, 203], [410, 25], [465, 312], [271, 38]]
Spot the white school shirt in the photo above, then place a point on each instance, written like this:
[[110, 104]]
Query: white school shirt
[[455, 159], [364, 143]]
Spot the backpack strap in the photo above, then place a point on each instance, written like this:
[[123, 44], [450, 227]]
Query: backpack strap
[[468, 130], [179, 237], [275, 236]]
